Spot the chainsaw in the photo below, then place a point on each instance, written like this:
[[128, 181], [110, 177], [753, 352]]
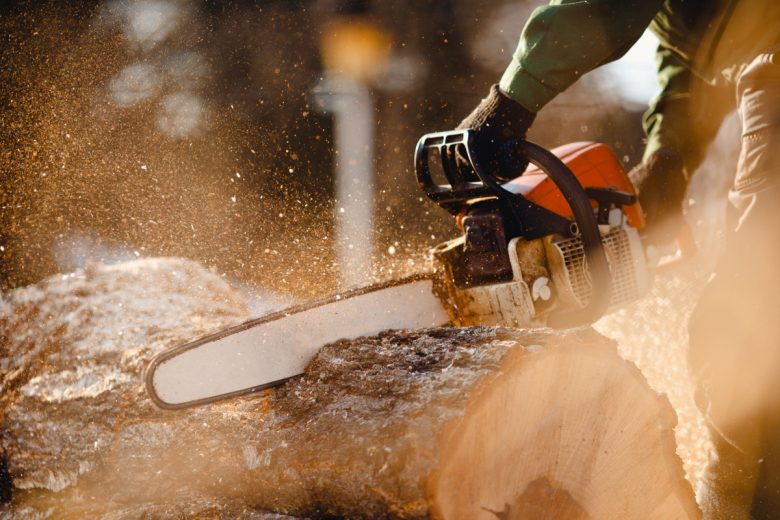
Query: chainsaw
[[557, 246]]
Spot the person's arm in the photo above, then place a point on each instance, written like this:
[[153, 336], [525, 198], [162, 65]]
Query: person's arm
[[687, 112], [560, 43], [680, 123], [564, 40]]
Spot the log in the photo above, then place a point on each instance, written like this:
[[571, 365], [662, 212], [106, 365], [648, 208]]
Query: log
[[479, 423]]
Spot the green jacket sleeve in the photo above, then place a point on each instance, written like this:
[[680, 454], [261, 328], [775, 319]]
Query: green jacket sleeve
[[564, 40], [687, 112], [666, 121]]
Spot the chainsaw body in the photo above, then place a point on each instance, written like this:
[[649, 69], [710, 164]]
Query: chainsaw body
[[558, 245]]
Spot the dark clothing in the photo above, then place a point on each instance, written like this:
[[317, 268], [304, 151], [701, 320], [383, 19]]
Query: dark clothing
[[704, 44], [567, 38], [735, 329], [686, 114], [713, 55]]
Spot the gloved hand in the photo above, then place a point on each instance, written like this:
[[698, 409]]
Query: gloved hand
[[661, 182], [499, 123]]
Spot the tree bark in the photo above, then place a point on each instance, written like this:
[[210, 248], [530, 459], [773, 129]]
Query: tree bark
[[444, 423]]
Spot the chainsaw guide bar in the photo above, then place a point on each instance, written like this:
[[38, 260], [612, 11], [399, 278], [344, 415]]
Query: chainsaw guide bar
[[278, 346]]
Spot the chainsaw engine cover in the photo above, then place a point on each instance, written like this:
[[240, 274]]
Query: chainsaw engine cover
[[595, 166], [480, 256], [492, 274]]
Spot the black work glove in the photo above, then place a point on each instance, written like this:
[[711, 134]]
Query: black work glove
[[499, 123], [661, 182]]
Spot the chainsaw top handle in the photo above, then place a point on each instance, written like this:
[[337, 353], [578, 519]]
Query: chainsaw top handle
[[462, 188]]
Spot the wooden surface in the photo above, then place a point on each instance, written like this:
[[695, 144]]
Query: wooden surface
[[448, 423]]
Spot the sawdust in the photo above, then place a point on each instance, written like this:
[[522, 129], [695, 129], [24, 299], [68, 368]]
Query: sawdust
[[120, 145], [652, 333]]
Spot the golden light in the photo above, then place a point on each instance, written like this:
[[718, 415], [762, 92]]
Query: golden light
[[354, 47]]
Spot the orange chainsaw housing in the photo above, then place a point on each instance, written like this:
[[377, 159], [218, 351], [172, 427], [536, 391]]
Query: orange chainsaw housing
[[595, 166]]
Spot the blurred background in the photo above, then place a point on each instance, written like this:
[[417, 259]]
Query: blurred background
[[271, 141]]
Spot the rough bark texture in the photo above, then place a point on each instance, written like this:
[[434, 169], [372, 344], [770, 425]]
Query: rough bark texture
[[517, 424]]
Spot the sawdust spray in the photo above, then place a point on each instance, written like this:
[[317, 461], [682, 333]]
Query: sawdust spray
[[653, 332], [120, 147], [123, 144]]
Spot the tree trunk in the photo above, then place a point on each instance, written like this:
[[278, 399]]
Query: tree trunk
[[445, 423]]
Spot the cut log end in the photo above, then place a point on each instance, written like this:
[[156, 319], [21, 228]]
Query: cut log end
[[570, 431]]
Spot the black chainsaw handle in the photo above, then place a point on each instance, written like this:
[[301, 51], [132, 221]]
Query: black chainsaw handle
[[462, 186]]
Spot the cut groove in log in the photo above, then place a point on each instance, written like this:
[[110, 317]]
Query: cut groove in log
[[566, 432]]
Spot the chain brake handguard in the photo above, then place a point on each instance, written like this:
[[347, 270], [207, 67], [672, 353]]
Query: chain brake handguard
[[469, 183]]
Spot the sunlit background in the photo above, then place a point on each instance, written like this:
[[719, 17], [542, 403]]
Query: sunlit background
[[271, 141]]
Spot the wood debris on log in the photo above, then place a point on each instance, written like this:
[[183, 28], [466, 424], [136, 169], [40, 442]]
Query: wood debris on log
[[446, 423]]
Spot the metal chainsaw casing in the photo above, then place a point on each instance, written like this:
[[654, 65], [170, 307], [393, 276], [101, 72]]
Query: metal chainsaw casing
[[489, 278]]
